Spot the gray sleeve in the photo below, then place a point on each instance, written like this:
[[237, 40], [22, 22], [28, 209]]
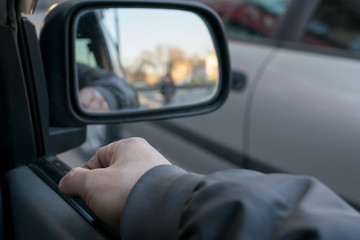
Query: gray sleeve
[[169, 203], [117, 92]]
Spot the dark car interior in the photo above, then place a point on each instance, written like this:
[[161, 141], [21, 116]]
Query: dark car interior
[[38, 121]]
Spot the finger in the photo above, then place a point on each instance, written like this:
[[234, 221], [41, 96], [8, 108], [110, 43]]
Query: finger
[[83, 102], [73, 183], [95, 105], [105, 106], [85, 96], [94, 161], [101, 103]]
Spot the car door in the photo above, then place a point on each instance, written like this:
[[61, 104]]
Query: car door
[[305, 113], [216, 140]]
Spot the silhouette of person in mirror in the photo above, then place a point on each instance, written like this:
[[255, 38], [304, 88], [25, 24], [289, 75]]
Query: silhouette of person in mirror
[[167, 88], [102, 91]]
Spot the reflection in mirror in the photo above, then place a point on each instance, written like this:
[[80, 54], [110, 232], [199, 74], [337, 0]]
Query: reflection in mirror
[[143, 59]]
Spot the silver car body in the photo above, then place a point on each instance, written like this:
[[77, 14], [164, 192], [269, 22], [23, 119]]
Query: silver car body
[[299, 113]]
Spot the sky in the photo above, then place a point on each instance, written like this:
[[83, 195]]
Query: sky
[[144, 29]]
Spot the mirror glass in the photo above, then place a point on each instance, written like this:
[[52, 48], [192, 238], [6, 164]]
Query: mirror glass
[[143, 59]]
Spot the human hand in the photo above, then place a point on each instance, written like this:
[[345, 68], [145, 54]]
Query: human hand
[[109, 176], [92, 100]]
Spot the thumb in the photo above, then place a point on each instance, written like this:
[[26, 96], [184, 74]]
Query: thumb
[[73, 183]]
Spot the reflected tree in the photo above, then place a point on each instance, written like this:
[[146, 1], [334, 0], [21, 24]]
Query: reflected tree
[[151, 66]]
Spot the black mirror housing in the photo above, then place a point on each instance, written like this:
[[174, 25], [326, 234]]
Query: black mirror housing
[[58, 53]]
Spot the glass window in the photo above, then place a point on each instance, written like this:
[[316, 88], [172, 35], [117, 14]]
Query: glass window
[[249, 19], [83, 53], [335, 24]]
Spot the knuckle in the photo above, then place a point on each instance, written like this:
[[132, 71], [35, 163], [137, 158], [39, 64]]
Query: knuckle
[[138, 140]]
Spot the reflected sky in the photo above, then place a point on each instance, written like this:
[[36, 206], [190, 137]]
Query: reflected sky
[[144, 29]]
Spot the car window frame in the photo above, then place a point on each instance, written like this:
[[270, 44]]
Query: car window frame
[[297, 9], [295, 43]]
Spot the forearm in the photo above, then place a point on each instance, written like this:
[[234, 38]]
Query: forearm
[[154, 207], [169, 203]]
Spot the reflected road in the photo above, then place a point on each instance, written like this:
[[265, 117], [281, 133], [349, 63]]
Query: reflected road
[[183, 96]]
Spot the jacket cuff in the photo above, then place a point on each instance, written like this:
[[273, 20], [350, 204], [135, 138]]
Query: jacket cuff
[[154, 206], [108, 96]]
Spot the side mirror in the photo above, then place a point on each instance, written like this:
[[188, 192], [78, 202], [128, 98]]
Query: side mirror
[[123, 61]]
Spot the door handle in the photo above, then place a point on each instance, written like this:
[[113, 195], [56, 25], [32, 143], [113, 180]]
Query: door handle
[[238, 81]]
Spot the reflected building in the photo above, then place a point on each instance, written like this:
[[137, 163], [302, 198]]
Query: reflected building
[[212, 66]]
